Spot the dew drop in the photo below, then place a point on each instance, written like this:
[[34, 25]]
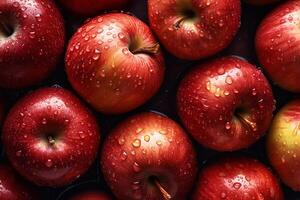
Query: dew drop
[[136, 143]]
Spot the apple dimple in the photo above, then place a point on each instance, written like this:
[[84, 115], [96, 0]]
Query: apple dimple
[[7, 27]]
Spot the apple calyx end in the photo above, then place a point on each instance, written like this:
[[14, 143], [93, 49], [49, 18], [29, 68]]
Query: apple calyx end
[[51, 140], [163, 191], [154, 49]]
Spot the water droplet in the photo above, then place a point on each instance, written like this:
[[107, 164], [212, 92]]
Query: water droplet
[[19, 153], [237, 185], [159, 142], [228, 80], [49, 163], [147, 138], [136, 143], [123, 156], [228, 126], [136, 167], [121, 141]]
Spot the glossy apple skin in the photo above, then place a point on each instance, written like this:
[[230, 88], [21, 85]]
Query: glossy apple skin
[[261, 2], [102, 69], [57, 113], [210, 31], [226, 104], [91, 195], [32, 52], [147, 145], [237, 178], [277, 45], [92, 7], [12, 187], [283, 144]]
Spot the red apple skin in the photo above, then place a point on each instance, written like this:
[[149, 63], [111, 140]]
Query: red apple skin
[[50, 137], [237, 178], [211, 29], [277, 45], [91, 195], [149, 145], [283, 144], [261, 2], [226, 104], [92, 7], [32, 52], [12, 187], [103, 70]]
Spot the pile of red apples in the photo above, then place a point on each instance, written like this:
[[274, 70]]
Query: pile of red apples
[[148, 99]]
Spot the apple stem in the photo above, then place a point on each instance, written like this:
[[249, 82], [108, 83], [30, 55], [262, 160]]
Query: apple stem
[[4, 28], [178, 24], [166, 195], [147, 50], [247, 122], [51, 140]]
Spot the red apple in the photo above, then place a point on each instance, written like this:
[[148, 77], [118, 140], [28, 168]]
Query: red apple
[[50, 137], [283, 144], [237, 178], [12, 187], [195, 29], [261, 2], [115, 63], [149, 156], [277, 45], [32, 39], [92, 7], [91, 195], [226, 104]]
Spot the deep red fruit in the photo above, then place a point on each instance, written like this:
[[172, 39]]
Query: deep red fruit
[[50, 137], [32, 38], [283, 144], [91, 195], [115, 63], [149, 157], [278, 45], [12, 187], [195, 29], [92, 7], [237, 179], [226, 104]]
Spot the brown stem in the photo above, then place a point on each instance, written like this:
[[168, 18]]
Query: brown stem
[[166, 195], [147, 50], [51, 140], [178, 24], [6, 29], [247, 122]]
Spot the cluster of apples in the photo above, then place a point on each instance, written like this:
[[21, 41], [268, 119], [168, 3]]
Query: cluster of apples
[[115, 63]]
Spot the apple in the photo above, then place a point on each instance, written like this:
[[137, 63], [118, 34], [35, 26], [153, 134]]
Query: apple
[[195, 29], [32, 37], [92, 7], [12, 187], [149, 156], [237, 178], [50, 137], [115, 63], [91, 195], [283, 144], [277, 45], [261, 2], [226, 104]]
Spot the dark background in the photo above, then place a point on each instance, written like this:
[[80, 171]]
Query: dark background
[[164, 101]]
